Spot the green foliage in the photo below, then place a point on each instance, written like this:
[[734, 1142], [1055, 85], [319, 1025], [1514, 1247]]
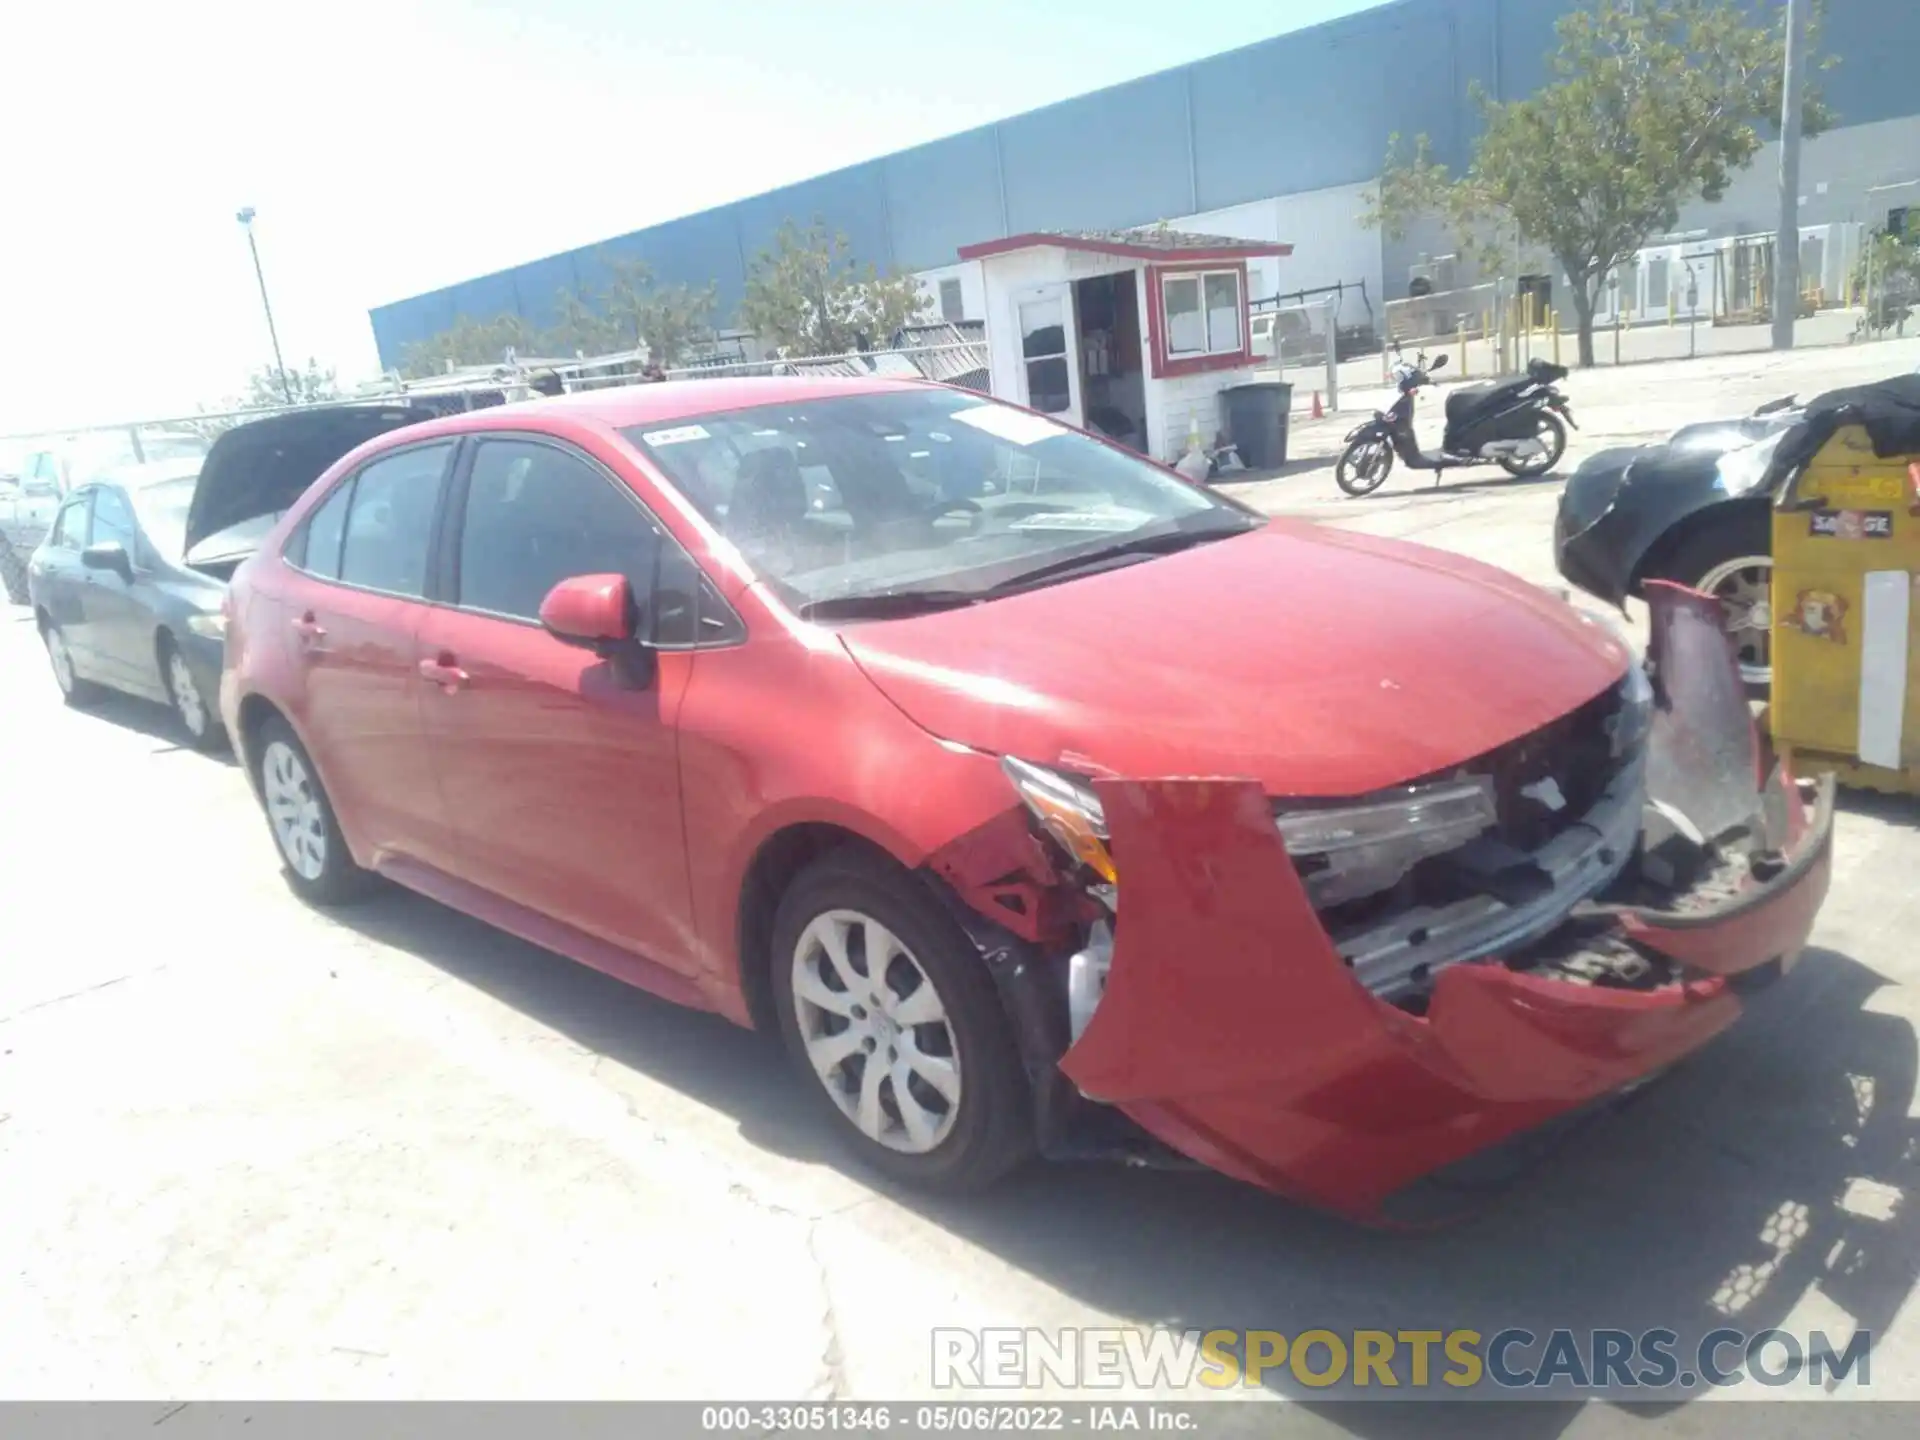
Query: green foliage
[[630, 312], [303, 386], [1653, 103], [1887, 276], [808, 296]]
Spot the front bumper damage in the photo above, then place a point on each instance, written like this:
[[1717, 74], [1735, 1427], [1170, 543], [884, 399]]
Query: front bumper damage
[[1234, 1030]]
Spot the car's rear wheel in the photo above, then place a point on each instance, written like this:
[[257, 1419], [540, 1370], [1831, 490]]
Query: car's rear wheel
[[190, 707], [1731, 558], [75, 691], [318, 864], [890, 1013]]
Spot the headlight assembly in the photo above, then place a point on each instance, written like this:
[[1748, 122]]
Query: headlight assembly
[[1743, 471], [1356, 850], [1068, 811]]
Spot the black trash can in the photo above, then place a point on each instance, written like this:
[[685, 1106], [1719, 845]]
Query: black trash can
[[1256, 417]]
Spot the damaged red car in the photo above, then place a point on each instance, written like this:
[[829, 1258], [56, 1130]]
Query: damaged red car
[[1041, 800]]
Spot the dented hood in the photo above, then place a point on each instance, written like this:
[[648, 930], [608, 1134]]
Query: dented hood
[[1317, 661]]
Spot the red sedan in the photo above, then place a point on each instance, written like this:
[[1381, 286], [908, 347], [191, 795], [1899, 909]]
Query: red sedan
[[861, 710]]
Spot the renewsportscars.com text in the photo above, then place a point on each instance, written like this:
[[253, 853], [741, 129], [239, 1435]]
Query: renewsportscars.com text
[[1394, 1360]]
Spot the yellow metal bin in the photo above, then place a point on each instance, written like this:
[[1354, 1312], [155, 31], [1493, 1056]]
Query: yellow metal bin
[[1846, 650]]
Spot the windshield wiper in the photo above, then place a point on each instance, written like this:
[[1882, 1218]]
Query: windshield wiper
[[888, 604], [1141, 547]]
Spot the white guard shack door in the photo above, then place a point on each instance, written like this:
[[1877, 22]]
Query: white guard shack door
[[1049, 351]]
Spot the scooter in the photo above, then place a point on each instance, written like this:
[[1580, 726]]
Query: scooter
[[1519, 425]]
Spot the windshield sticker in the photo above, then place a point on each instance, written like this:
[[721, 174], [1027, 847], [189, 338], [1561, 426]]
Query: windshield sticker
[[677, 436], [1008, 424]]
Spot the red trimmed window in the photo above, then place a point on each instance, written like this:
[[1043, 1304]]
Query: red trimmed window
[[1198, 318]]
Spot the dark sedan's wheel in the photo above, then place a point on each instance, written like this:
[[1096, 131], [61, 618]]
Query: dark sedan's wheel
[[1550, 433], [190, 707], [1365, 466], [75, 691], [312, 849], [13, 573], [1730, 557], [890, 1013]]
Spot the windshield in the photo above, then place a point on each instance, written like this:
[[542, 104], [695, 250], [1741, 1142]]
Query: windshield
[[931, 494], [163, 514]]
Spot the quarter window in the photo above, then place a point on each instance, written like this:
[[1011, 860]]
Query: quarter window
[[389, 528]]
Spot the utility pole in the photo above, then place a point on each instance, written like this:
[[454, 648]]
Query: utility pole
[[1786, 246], [245, 217]]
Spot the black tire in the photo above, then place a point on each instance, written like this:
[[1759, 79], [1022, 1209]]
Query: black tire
[[991, 1130], [207, 736], [1713, 540], [13, 573], [336, 880], [1349, 473], [78, 693], [1556, 450]]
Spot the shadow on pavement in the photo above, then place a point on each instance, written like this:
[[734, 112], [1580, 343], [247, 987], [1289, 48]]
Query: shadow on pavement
[[144, 717], [1775, 1161]]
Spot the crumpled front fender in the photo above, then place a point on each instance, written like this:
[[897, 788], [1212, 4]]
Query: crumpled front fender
[[1232, 1030]]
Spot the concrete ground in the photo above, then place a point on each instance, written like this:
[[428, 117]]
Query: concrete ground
[[247, 1150]]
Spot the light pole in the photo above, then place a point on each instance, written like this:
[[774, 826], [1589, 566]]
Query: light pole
[[1786, 246], [245, 217]]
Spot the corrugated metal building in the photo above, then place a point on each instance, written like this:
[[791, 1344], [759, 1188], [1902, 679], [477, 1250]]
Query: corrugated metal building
[[1274, 141]]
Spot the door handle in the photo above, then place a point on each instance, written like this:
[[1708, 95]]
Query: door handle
[[307, 628], [444, 673]]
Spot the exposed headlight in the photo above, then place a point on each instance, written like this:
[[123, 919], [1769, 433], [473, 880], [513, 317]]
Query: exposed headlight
[[1068, 811], [1350, 851], [1629, 726], [214, 626], [1743, 471]]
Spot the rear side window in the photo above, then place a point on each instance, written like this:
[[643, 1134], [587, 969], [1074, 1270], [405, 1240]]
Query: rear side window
[[537, 515], [390, 517], [316, 549]]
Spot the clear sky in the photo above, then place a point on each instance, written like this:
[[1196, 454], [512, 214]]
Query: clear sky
[[392, 146]]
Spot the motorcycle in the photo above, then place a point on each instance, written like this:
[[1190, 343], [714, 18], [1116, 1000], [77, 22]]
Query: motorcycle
[[1519, 425]]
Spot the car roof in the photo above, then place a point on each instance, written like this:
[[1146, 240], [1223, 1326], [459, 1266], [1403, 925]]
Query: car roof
[[664, 401]]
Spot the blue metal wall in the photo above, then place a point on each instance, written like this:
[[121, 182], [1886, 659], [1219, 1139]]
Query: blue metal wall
[[1299, 112]]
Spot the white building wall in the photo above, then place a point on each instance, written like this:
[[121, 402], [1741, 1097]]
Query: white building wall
[[1330, 245], [973, 297]]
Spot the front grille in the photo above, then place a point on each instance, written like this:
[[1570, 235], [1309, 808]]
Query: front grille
[[1571, 759]]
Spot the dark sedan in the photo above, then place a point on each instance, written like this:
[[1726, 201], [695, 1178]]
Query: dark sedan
[[117, 603]]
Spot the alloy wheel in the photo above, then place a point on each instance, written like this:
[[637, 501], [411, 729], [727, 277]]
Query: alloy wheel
[[1744, 587], [876, 1031], [293, 807], [187, 699]]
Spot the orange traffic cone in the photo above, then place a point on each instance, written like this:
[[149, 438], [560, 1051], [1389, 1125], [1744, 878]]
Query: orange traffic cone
[[1319, 410]]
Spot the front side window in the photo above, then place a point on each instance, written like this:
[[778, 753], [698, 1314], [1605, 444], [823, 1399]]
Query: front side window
[[112, 520], [860, 505], [537, 515], [70, 525], [1202, 313], [389, 523]]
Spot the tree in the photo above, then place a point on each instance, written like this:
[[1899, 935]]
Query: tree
[[633, 312], [307, 386], [1653, 103], [807, 295], [467, 342]]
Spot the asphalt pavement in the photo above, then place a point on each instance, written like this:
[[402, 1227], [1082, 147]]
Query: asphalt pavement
[[252, 1151]]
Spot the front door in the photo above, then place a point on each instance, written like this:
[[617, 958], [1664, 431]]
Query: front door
[[1049, 352], [560, 773], [119, 618]]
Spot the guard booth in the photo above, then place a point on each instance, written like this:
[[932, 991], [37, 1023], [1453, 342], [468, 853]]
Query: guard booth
[[1846, 553]]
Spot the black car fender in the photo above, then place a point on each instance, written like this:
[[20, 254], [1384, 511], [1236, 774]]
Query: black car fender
[[1623, 508]]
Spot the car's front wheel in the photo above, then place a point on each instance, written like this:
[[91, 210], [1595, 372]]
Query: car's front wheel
[[1730, 557], [318, 864], [890, 1013]]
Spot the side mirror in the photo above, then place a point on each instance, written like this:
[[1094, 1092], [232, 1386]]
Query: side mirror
[[108, 555], [599, 613], [1439, 363]]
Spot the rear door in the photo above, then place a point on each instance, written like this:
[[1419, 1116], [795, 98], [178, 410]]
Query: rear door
[[560, 778], [362, 558]]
